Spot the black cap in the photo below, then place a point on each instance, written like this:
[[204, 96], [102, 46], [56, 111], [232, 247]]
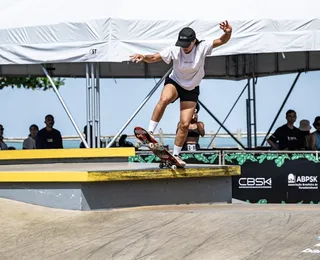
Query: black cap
[[186, 36]]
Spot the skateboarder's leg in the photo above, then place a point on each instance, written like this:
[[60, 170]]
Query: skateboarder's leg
[[186, 112], [169, 94]]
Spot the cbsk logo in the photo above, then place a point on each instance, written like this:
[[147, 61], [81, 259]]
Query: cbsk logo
[[257, 183]]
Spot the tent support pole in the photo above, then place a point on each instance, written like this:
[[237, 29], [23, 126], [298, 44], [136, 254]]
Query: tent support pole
[[64, 105], [140, 106], [98, 105], [228, 114], [216, 119], [254, 102], [93, 106], [254, 111], [280, 109], [88, 103]]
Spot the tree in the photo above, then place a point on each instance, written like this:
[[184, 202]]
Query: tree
[[30, 82]]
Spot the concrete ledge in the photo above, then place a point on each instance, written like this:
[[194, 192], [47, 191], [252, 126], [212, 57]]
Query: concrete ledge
[[152, 174], [116, 172], [66, 153], [115, 185]]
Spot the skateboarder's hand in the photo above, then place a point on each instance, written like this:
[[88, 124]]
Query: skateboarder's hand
[[137, 58], [224, 26]]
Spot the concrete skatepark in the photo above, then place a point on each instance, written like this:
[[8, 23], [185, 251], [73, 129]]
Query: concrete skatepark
[[216, 231], [118, 210]]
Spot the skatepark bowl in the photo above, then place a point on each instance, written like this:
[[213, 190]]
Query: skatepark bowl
[[121, 210]]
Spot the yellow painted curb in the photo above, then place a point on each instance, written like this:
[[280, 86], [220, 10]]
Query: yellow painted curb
[[66, 153], [43, 176], [151, 174]]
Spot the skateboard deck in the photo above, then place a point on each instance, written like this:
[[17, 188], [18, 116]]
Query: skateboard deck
[[166, 158]]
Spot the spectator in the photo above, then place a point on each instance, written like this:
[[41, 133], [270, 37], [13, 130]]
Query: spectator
[[315, 136], [85, 131], [286, 137], [304, 128], [30, 142], [196, 128], [49, 137], [3, 145], [123, 142]]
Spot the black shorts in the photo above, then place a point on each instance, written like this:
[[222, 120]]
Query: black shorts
[[190, 147], [183, 94]]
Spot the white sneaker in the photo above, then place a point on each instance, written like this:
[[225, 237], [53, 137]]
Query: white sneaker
[[180, 161]]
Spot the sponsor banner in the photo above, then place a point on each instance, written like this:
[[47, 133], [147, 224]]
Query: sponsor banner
[[294, 182]]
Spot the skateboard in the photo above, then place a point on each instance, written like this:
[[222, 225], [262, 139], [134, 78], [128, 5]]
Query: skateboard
[[166, 158]]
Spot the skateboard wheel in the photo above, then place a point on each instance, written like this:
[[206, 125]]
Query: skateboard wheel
[[151, 145], [173, 167], [161, 165]]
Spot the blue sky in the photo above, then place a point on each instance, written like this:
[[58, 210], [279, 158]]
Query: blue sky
[[119, 99]]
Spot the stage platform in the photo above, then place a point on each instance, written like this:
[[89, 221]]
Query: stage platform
[[89, 186]]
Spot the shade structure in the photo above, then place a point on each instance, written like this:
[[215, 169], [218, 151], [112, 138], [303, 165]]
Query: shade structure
[[269, 37]]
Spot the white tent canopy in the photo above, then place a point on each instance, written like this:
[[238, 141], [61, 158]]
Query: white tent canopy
[[269, 37]]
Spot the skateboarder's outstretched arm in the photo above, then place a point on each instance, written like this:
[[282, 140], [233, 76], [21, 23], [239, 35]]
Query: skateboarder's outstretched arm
[[150, 58], [225, 37]]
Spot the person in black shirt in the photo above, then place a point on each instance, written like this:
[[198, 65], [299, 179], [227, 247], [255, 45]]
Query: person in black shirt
[[49, 137], [287, 137]]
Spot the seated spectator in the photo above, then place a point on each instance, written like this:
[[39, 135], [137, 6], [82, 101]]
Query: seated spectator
[[3, 145], [196, 128], [85, 131], [30, 142], [286, 137], [49, 137], [123, 142], [315, 136], [304, 128]]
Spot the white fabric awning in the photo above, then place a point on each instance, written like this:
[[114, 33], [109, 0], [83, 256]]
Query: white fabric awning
[[65, 32]]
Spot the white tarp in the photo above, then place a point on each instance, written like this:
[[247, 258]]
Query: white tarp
[[67, 33], [37, 31]]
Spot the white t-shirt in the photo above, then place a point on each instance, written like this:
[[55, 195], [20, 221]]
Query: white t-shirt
[[188, 69], [29, 143]]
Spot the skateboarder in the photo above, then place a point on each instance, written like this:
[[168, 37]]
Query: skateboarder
[[188, 56]]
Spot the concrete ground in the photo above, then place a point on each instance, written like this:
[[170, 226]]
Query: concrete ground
[[229, 231]]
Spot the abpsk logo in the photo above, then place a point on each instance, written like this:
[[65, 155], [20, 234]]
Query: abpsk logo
[[305, 182], [291, 178]]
